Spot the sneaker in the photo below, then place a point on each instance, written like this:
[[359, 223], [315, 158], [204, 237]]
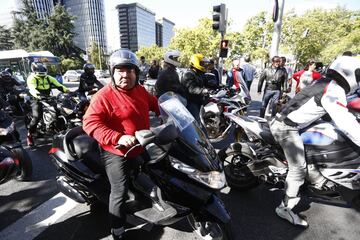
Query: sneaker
[[30, 140], [293, 218], [327, 188]]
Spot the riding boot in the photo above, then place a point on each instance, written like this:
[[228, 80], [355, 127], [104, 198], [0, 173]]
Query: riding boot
[[262, 112], [284, 210]]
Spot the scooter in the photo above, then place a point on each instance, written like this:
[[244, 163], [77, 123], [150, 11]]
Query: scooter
[[181, 162], [15, 163], [261, 159]]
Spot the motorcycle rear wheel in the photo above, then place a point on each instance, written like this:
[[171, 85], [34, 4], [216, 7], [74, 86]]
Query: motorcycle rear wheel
[[238, 175], [26, 167], [211, 230]]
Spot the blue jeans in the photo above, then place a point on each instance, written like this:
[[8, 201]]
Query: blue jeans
[[269, 94]]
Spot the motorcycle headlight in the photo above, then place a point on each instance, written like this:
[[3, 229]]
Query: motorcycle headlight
[[212, 179], [6, 131]]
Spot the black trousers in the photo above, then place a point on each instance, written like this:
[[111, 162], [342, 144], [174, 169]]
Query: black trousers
[[118, 171], [37, 112]]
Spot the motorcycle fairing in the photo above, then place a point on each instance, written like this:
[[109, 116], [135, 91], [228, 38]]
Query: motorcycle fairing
[[349, 178]]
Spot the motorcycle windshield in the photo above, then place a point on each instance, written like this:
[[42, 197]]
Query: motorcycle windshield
[[192, 141]]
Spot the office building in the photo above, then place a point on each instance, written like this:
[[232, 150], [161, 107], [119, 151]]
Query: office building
[[167, 31], [159, 33], [43, 8], [89, 23], [136, 26]]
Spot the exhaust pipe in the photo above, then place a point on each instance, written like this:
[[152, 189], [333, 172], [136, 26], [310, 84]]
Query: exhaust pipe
[[68, 190]]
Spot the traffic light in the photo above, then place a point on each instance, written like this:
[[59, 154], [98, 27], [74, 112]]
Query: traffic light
[[224, 48], [219, 18]]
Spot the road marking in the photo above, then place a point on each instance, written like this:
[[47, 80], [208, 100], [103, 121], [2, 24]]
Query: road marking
[[36, 221]]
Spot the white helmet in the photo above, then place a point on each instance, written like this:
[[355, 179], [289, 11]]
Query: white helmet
[[171, 57], [346, 71]]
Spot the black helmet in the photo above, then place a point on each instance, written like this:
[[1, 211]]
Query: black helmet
[[9, 71], [123, 58], [5, 75], [89, 68], [39, 69]]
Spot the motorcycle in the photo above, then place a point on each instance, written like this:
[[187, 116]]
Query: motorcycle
[[261, 159], [14, 160], [18, 102], [218, 127], [58, 115], [181, 162]]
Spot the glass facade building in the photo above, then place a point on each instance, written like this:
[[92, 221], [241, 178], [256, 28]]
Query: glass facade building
[[159, 34], [167, 31], [89, 23], [136, 26], [43, 8]]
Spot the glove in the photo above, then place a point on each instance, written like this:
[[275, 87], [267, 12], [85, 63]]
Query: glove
[[205, 91], [127, 141]]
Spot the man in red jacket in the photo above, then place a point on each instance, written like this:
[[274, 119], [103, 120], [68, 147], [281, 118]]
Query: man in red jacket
[[115, 113]]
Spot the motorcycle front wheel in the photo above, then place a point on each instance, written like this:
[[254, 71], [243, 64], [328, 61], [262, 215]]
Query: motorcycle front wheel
[[25, 164], [236, 159], [211, 230]]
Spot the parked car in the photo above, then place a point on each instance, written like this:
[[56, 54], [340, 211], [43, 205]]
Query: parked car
[[102, 73], [71, 76]]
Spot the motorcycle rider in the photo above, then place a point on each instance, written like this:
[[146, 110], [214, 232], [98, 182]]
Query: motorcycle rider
[[88, 81], [168, 78], [275, 82], [144, 70], [194, 82], [39, 83], [7, 84], [324, 96], [115, 113]]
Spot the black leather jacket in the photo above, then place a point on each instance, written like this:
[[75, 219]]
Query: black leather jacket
[[275, 79], [194, 83], [168, 80], [87, 82]]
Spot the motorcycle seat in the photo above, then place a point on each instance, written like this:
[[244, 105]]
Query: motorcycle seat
[[79, 146]]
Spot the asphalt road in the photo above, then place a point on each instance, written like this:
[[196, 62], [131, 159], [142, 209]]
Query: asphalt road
[[35, 210]]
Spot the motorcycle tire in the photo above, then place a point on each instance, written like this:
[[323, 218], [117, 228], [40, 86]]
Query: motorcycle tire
[[26, 167], [355, 203], [238, 175], [216, 228]]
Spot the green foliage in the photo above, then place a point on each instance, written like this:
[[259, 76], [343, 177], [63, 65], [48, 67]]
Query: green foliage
[[54, 34], [6, 39], [96, 56], [330, 33], [152, 52], [201, 39], [70, 64]]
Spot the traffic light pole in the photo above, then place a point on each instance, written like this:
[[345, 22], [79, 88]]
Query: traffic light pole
[[277, 30], [221, 60]]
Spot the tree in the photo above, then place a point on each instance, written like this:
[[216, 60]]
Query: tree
[[96, 56], [60, 34], [28, 30], [201, 39], [152, 52], [55, 33], [6, 39], [325, 28], [256, 36]]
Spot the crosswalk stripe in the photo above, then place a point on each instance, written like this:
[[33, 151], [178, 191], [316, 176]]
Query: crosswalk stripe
[[36, 221]]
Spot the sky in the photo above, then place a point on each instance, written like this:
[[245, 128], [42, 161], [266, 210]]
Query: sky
[[186, 13]]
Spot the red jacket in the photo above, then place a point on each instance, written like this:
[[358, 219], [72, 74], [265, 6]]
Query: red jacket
[[297, 75], [113, 113]]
